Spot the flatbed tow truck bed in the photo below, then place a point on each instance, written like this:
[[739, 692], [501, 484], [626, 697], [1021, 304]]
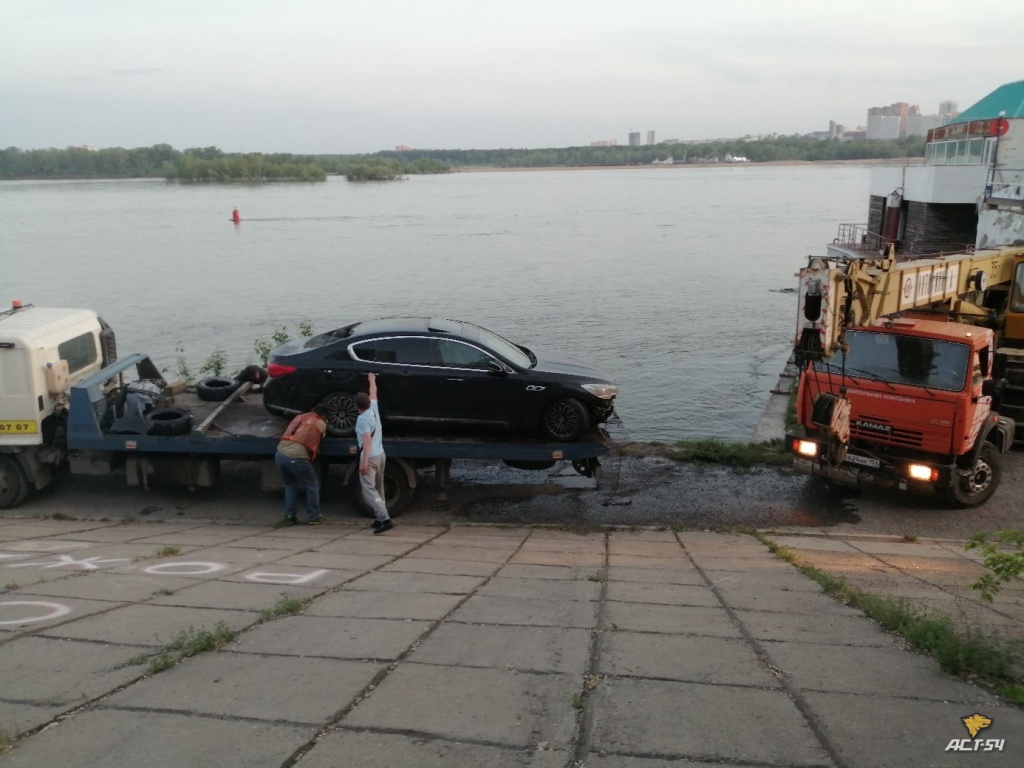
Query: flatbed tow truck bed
[[240, 428]]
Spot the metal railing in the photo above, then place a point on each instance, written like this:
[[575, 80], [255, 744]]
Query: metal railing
[[1005, 184], [856, 237]]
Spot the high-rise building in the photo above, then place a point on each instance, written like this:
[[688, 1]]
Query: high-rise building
[[947, 111], [900, 110], [650, 139], [883, 126], [634, 138]]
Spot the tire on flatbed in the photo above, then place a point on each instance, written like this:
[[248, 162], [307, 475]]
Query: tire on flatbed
[[214, 389], [169, 422]]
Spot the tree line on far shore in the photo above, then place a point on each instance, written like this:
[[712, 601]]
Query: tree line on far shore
[[210, 164]]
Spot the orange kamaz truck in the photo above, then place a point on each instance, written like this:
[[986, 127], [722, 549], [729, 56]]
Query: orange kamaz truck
[[911, 372]]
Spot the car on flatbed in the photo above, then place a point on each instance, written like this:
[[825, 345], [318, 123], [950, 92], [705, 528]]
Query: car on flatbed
[[436, 372]]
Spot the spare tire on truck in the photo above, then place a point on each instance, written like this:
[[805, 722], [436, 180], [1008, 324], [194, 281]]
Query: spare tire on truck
[[169, 421], [216, 388]]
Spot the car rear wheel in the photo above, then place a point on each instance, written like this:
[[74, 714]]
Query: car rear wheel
[[341, 414], [565, 420]]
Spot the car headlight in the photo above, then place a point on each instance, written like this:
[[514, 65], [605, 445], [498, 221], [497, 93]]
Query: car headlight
[[603, 391]]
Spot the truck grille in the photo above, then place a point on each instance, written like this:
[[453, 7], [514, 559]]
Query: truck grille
[[882, 431]]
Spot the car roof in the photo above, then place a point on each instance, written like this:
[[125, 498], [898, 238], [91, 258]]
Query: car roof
[[414, 325]]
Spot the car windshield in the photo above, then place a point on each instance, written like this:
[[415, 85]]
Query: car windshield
[[492, 341], [913, 360]]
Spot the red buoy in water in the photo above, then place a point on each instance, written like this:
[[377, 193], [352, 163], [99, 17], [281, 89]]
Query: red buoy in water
[[235, 217]]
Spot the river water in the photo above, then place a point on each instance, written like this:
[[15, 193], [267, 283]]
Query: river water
[[668, 278]]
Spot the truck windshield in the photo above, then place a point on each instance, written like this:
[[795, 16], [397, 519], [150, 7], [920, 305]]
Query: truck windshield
[[914, 360]]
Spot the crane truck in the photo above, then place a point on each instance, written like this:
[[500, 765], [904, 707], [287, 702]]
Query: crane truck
[[911, 370], [67, 403]]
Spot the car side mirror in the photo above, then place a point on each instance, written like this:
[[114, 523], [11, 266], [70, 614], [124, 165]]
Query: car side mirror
[[495, 367]]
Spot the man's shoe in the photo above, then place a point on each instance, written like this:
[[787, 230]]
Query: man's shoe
[[376, 524], [285, 521], [387, 525], [318, 521]]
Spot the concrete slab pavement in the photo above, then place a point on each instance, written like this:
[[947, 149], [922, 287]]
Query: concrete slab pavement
[[478, 646]]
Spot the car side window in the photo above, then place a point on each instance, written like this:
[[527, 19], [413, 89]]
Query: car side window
[[455, 354], [398, 350]]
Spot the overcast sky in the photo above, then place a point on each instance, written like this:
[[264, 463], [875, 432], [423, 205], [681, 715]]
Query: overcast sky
[[345, 76]]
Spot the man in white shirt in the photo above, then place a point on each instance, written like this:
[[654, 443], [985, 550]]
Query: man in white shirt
[[370, 439]]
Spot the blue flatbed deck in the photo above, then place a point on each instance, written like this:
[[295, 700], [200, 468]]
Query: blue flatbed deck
[[242, 428]]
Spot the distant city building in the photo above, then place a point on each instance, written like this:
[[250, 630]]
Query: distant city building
[[634, 138], [919, 125], [650, 139], [605, 143], [89, 147], [884, 126], [899, 110], [403, 148], [948, 110]]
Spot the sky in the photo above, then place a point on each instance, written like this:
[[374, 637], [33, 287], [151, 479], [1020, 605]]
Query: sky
[[354, 76]]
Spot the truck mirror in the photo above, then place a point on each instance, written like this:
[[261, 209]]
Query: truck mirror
[[985, 361], [989, 388]]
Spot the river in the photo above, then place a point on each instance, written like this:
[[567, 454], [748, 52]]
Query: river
[[668, 278]]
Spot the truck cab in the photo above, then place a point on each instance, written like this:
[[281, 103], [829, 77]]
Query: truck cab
[[916, 411], [43, 351]]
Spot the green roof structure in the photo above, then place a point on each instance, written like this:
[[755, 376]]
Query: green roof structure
[[1007, 98]]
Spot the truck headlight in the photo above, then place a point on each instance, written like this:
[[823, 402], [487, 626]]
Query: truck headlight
[[807, 448], [603, 391], [922, 472]]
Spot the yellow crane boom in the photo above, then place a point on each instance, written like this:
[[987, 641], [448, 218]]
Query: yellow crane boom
[[967, 287]]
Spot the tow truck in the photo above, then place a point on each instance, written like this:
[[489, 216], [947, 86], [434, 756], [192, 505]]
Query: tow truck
[[911, 370], [67, 403]]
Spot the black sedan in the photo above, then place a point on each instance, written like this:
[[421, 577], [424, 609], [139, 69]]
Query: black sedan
[[437, 372]]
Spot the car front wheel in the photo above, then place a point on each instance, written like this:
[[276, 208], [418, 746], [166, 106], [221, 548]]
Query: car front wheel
[[565, 420], [341, 414]]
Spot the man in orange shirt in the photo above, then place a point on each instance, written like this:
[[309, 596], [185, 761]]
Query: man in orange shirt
[[294, 458]]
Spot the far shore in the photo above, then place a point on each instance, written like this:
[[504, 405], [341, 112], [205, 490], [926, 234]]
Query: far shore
[[899, 161]]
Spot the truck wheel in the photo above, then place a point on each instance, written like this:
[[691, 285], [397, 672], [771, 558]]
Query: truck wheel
[[214, 389], [565, 420], [170, 421], [972, 487], [397, 493], [13, 484], [341, 414]]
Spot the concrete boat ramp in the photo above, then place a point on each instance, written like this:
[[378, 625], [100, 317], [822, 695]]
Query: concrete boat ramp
[[466, 646]]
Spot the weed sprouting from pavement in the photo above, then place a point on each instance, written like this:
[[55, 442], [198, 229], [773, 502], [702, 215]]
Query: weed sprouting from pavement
[[11, 585], [168, 552], [60, 516], [909, 537], [164, 592], [285, 606], [964, 654], [600, 577], [189, 642], [576, 700]]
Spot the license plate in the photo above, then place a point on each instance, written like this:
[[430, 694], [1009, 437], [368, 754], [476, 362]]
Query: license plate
[[11, 427], [864, 461]]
